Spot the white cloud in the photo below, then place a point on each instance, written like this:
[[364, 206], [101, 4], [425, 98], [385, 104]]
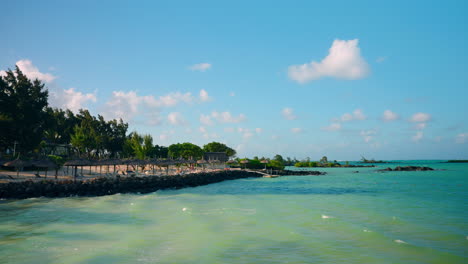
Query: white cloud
[[246, 133], [288, 113], [332, 127], [206, 120], [389, 116], [420, 117], [420, 126], [200, 67], [169, 100], [229, 129], [258, 130], [344, 61], [418, 136], [3, 74], [368, 135], [204, 97], [163, 137], [232, 94], [296, 130], [71, 99], [227, 117], [122, 105], [381, 59], [461, 138], [357, 114], [33, 72], [202, 129], [176, 119]]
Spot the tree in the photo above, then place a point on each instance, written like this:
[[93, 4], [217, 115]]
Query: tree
[[23, 106], [219, 147], [185, 150], [278, 158], [324, 160]]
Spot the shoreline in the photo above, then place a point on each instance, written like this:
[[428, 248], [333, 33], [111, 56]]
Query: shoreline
[[101, 186]]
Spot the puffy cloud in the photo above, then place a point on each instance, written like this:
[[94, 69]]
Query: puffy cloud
[[461, 138], [368, 135], [344, 61], [227, 117], [33, 72], [122, 105], [204, 97], [200, 67], [288, 113], [388, 116], [206, 120], [418, 136], [332, 127], [171, 99], [176, 119], [357, 114], [420, 126], [296, 130], [420, 117], [258, 130], [71, 99], [246, 133]]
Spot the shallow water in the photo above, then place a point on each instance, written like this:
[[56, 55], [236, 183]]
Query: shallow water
[[344, 217]]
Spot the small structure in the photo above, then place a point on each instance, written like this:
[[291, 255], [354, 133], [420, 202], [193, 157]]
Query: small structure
[[216, 156]]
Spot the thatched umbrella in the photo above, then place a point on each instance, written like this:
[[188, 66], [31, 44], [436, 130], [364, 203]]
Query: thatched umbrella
[[18, 164], [44, 164], [244, 162]]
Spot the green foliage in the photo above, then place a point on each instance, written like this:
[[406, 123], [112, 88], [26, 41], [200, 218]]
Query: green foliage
[[324, 160], [23, 106], [185, 150], [59, 161], [306, 164], [275, 164], [219, 147]]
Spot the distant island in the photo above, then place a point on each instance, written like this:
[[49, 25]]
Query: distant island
[[364, 160], [457, 161], [324, 163]]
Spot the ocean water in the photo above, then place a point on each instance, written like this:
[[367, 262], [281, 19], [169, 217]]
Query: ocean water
[[343, 217]]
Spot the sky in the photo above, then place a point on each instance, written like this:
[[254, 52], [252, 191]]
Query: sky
[[345, 79]]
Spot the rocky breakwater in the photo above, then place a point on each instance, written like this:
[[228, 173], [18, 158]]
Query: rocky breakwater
[[408, 168], [108, 186], [300, 173]]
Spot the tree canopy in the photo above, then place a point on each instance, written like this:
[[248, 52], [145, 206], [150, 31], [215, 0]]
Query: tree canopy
[[219, 147], [23, 106], [185, 150]]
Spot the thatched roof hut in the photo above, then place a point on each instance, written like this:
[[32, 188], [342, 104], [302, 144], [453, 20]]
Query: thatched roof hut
[[17, 163]]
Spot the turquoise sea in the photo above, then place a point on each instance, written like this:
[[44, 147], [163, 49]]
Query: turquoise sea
[[343, 217]]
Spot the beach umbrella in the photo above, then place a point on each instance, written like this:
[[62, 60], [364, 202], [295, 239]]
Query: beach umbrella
[[44, 164], [17, 164], [244, 162]]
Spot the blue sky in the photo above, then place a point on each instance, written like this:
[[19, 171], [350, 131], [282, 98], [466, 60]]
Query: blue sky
[[298, 78]]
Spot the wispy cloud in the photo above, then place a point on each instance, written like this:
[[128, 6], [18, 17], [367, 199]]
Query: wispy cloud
[[288, 113], [418, 136], [332, 127], [200, 67], [176, 119], [357, 114], [461, 138], [344, 61], [227, 117], [297, 130], [368, 135], [420, 117]]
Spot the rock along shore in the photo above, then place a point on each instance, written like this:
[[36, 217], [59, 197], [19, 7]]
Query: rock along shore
[[408, 168], [107, 186]]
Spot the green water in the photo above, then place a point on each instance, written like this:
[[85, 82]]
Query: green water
[[344, 217]]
